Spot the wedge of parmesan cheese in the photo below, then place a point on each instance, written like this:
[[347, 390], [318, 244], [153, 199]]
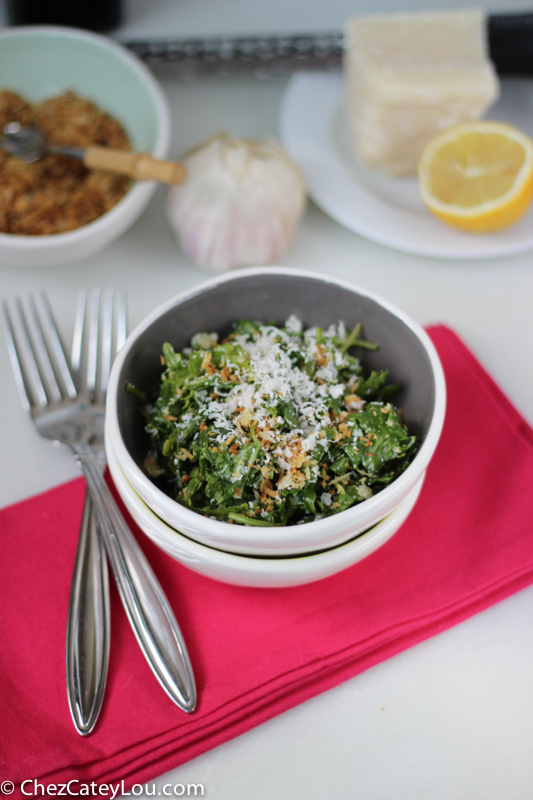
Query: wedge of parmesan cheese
[[411, 76]]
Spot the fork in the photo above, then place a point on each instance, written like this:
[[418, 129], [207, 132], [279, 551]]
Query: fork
[[64, 414], [88, 620]]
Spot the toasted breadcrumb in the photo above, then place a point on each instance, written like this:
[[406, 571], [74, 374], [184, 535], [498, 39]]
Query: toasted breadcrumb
[[56, 193]]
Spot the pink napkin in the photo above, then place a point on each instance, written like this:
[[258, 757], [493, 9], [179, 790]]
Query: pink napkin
[[256, 652]]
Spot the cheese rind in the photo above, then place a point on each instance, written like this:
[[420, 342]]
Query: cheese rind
[[411, 76]]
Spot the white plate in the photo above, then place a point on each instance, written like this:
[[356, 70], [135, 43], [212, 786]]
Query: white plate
[[387, 210], [247, 570]]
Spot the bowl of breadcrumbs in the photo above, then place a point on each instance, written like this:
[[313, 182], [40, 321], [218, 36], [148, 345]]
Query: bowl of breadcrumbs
[[79, 89]]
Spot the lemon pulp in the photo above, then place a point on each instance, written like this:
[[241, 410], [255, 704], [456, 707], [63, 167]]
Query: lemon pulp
[[478, 176]]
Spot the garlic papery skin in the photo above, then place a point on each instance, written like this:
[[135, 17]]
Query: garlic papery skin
[[238, 205]]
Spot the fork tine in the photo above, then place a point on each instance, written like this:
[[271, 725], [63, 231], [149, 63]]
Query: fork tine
[[27, 361], [122, 320], [14, 358], [33, 327], [55, 342], [107, 341], [75, 358], [92, 342]]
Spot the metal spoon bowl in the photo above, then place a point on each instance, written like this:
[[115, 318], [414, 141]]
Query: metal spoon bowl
[[29, 144]]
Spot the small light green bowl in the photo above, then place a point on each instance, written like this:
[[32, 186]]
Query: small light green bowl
[[40, 61]]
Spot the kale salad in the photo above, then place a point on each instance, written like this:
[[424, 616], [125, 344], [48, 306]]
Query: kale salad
[[274, 425]]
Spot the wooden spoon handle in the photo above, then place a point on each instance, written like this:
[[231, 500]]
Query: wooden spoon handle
[[139, 166]]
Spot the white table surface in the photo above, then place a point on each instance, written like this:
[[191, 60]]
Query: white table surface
[[453, 716]]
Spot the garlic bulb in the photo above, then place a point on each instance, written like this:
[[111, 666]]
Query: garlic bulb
[[239, 204]]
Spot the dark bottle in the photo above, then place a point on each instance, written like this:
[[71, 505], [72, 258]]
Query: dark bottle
[[94, 15]]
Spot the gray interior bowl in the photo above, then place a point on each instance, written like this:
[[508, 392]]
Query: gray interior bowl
[[272, 295]]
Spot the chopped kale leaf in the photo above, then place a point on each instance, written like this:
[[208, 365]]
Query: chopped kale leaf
[[274, 426]]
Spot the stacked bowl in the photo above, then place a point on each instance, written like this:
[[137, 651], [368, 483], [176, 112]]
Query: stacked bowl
[[281, 555]]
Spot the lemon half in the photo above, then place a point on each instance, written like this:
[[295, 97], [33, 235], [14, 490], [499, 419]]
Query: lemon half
[[478, 176]]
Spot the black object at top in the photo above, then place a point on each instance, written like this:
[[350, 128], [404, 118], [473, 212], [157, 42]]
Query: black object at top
[[511, 43], [93, 15]]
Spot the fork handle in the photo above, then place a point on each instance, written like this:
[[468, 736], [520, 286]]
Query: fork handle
[[88, 626], [146, 606]]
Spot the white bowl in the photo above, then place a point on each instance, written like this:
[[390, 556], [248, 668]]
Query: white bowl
[[261, 293], [243, 570], [41, 61]]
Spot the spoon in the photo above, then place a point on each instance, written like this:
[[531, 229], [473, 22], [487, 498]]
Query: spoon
[[29, 144]]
